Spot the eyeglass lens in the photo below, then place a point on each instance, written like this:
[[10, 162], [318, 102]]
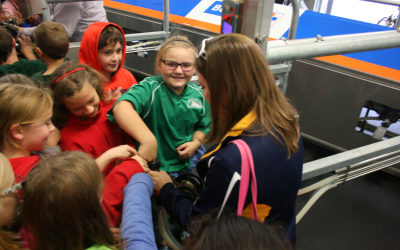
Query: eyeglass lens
[[171, 65]]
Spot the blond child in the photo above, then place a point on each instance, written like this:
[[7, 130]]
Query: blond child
[[174, 109]]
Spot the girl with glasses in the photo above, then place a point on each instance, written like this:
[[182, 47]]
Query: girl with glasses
[[245, 104], [174, 110]]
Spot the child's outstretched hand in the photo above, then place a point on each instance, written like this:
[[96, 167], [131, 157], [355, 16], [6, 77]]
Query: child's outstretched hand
[[187, 149], [115, 94], [116, 153], [160, 179], [26, 47], [142, 163]]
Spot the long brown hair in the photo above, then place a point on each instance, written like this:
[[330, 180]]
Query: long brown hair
[[62, 204], [236, 66], [72, 83]]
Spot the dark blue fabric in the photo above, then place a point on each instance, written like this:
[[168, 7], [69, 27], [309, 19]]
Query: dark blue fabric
[[278, 181]]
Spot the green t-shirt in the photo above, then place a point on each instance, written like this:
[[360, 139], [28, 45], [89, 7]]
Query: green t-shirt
[[171, 118], [42, 80], [23, 66], [98, 247], [39, 79]]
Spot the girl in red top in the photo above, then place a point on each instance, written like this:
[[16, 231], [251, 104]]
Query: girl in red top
[[80, 113], [25, 125]]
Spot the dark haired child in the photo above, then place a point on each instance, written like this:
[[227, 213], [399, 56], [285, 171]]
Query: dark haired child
[[80, 113], [233, 232], [103, 48], [9, 61], [52, 46]]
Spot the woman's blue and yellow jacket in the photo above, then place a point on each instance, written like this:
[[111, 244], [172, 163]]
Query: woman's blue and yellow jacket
[[278, 180]]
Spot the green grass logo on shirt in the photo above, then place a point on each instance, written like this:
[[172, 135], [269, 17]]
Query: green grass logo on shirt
[[194, 103]]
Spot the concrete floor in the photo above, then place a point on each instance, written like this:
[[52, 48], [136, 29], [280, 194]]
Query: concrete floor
[[363, 213]]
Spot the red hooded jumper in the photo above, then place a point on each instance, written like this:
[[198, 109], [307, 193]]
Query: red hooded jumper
[[94, 136], [89, 54]]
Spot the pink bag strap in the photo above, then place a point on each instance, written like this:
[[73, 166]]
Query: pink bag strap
[[247, 168]]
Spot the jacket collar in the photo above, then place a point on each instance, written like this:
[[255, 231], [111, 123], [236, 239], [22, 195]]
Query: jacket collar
[[237, 130]]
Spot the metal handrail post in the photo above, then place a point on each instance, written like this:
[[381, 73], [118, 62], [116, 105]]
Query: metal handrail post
[[391, 2], [166, 16], [397, 25], [295, 19]]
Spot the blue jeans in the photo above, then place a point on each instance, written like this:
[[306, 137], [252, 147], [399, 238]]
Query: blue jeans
[[195, 159]]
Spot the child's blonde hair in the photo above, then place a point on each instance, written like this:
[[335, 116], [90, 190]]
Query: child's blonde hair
[[6, 239], [5, 169], [21, 104], [66, 81], [62, 204], [174, 42]]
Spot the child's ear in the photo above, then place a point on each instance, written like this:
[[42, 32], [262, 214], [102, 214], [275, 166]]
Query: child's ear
[[39, 51], [16, 132], [14, 43]]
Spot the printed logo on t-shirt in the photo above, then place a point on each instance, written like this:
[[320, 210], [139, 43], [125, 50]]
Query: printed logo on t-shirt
[[194, 103]]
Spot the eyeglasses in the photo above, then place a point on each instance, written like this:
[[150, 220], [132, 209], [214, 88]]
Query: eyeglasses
[[202, 52], [171, 65], [14, 187]]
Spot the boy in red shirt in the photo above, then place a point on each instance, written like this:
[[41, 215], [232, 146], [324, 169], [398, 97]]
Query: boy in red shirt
[[103, 48]]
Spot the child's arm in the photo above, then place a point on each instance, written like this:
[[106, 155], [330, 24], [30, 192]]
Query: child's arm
[[116, 153], [26, 47], [129, 120], [137, 225], [114, 184], [187, 149]]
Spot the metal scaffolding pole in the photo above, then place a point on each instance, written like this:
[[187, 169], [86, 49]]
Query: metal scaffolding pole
[[295, 19], [279, 51], [391, 2]]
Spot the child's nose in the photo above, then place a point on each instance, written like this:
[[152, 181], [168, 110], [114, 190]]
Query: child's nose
[[179, 69], [51, 127], [89, 110]]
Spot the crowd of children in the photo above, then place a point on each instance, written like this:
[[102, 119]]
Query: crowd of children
[[83, 135]]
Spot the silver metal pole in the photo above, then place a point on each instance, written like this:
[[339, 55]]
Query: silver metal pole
[[391, 2], [279, 50], [354, 156], [397, 25], [317, 6], [45, 11], [329, 7], [295, 19], [166, 16]]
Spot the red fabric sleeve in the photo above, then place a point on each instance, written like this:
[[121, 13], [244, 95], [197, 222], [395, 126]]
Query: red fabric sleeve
[[113, 190]]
